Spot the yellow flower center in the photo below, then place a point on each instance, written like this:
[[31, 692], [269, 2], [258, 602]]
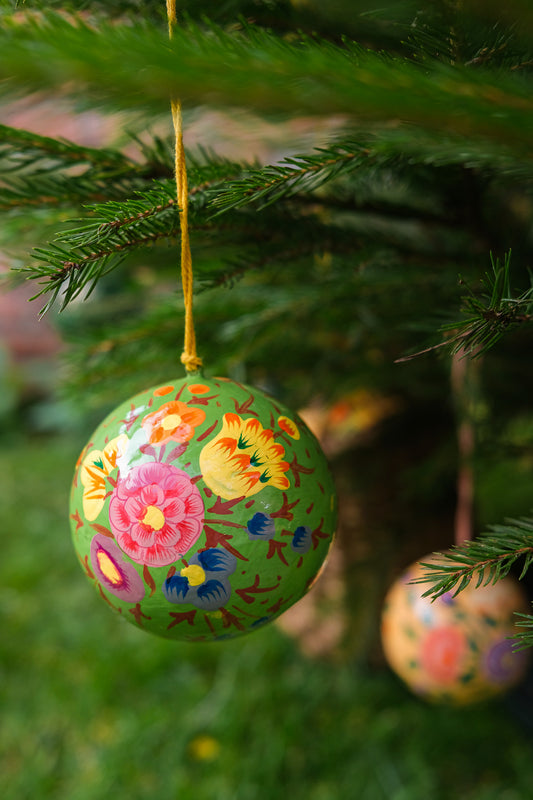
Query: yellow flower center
[[154, 517], [109, 568], [170, 422], [194, 573]]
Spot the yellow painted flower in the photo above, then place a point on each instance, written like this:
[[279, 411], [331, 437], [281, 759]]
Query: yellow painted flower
[[242, 459], [289, 427], [95, 468]]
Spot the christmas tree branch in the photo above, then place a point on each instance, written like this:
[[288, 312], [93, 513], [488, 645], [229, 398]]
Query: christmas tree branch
[[82, 256], [295, 174], [23, 148], [489, 315], [400, 150], [524, 636], [49, 190], [111, 222], [113, 228], [487, 559], [258, 71], [40, 171]]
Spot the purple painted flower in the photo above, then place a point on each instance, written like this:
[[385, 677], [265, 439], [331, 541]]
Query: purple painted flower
[[302, 539], [156, 513], [502, 664], [261, 526], [448, 599], [204, 582], [116, 575]]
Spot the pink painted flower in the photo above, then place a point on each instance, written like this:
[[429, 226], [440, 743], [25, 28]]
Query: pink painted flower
[[442, 654], [156, 514], [115, 574]]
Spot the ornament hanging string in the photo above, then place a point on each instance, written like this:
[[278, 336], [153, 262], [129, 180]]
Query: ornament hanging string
[[189, 357], [464, 388]]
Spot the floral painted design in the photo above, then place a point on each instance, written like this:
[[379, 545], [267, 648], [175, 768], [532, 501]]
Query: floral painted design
[[502, 664], [302, 539], [173, 421], [95, 468], [289, 426], [198, 388], [116, 575], [442, 654], [242, 459], [204, 582], [193, 504], [261, 526], [156, 513], [161, 391]]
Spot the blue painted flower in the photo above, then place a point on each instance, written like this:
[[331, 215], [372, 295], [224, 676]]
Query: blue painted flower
[[259, 622], [301, 540], [204, 582], [261, 526]]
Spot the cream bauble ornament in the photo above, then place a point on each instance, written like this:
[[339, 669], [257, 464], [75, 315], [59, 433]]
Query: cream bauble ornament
[[202, 509], [454, 649]]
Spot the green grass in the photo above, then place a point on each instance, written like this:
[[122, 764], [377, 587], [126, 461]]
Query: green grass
[[92, 708]]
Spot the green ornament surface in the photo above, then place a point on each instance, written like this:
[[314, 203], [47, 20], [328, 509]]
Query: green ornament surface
[[202, 509]]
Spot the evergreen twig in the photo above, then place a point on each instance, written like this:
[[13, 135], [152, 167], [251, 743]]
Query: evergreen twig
[[254, 69], [486, 559], [401, 150], [37, 170], [489, 315]]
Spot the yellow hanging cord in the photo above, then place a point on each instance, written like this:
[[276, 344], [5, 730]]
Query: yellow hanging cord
[[189, 357]]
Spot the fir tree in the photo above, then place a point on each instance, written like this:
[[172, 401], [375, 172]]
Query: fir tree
[[367, 261]]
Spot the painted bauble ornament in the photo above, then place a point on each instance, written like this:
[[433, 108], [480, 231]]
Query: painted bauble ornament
[[454, 649], [202, 509]]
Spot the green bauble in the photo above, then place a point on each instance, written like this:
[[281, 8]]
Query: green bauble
[[202, 509]]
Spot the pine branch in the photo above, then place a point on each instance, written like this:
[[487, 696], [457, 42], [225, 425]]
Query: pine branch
[[268, 184], [489, 315], [492, 314], [524, 636], [69, 272], [41, 171], [486, 559], [81, 255], [23, 148], [111, 223], [51, 190], [402, 151], [256, 70]]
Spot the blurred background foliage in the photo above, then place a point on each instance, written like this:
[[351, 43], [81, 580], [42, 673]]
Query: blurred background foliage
[[360, 183]]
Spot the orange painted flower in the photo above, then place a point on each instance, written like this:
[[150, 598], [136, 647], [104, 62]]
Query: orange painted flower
[[242, 459], [198, 388], [289, 427], [173, 421], [95, 468], [161, 391]]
